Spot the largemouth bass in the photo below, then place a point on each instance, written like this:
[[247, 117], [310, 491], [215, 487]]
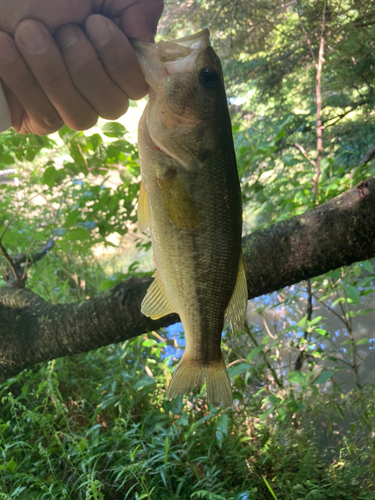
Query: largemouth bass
[[190, 199]]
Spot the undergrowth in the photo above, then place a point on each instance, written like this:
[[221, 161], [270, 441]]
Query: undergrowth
[[97, 426]]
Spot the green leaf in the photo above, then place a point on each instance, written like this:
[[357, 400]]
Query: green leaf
[[322, 377], [303, 322], [266, 340], [222, 424], [113, 129], [280, 135], [353, 294], [347, 342], [239, 369], [149, 343], [274, 399], [367, 264], [362, 341], [144, 381], [296, 377], [254, 353], [49, 176], [365, 281], [12, 465], [335, 360], [7, 160], [68, 134], [78, 233], [315, 320], [337, 301], [269, 488], [321, 331], [82, 445]]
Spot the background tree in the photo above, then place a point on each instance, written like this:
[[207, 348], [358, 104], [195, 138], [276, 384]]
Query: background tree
[[97, 425]]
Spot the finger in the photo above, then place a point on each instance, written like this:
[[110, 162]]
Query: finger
[[17, 112], [52, 13], [41, 54], [43, 117], [88, 74], [117, 56], [140, 19]]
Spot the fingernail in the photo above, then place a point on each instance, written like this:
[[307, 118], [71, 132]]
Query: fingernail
[[100, 30], [67, 36], [33, 38], [8, 52]]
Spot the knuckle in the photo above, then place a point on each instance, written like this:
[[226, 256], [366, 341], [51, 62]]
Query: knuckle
[[24, 83], [55, 78], [80, 68]]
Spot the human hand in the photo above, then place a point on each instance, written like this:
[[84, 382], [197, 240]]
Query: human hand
[[79, 75]]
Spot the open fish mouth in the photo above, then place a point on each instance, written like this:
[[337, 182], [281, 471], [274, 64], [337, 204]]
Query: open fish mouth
[[158, 60]]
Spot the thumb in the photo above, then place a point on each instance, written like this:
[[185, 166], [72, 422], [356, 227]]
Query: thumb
[[140, 20]]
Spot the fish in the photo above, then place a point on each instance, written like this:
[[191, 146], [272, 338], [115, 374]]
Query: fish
[[190, 199]]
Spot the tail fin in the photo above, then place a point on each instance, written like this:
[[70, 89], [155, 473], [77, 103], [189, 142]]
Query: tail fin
[[190, 374]]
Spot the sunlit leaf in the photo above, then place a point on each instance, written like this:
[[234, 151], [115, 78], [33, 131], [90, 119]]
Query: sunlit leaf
[[113, 129]]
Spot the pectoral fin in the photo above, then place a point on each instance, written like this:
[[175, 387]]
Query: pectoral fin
[[179, 206], [156, 304], [237, 308], [143, 209]]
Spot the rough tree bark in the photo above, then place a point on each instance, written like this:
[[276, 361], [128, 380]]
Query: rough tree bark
[[337, 233]]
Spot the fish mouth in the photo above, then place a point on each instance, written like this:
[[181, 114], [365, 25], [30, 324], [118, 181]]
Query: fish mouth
[[158, 60]]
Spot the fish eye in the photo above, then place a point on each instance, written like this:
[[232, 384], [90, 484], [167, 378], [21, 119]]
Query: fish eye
[[208, 78]]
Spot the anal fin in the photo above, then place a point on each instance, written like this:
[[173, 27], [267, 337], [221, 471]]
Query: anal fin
[[237, 307], [156, 304]]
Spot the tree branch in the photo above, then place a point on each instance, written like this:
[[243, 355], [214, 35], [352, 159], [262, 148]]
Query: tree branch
[[303, 151], [334, 234], [20, 262], [366, 159], [337, 233]]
